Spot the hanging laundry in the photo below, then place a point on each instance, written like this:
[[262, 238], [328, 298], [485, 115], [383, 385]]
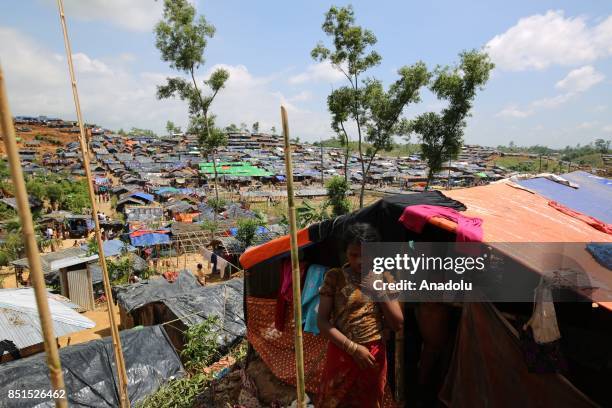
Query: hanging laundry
[[285, 293], [310, 297], [222, 265], [415, 217]]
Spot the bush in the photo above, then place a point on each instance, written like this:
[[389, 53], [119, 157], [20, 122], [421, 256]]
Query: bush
[[201, 344], [337, 189], [247, 230]]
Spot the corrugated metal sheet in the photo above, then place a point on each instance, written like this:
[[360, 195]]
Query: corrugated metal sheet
[[24, 328], [80, 289]]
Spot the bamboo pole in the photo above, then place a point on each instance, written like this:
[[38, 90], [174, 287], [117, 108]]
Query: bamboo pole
[[124, 402], [36, 274], [295, 268]]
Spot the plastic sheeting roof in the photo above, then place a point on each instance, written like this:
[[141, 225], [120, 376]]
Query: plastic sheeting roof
[[89, 373], [593, 196], [511, 214]]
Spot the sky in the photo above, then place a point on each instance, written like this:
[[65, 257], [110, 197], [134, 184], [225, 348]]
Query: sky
[[552, 84]]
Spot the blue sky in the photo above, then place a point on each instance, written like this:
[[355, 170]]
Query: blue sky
[[552, 82]]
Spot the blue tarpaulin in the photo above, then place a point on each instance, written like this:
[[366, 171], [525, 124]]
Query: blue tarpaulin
[[144, 196], [114, 247], [148, 239], [260, 230], [593, 197]]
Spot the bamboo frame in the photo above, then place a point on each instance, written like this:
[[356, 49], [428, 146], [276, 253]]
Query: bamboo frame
[[124, 401], [295, 268], [29, 237]]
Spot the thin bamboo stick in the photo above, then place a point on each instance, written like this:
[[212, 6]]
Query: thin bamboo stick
[[119, 361], [27, 225], [295, 268]]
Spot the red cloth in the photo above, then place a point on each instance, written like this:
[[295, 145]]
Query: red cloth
[[593, 222], [415, 217], [285, 294], [344, 384]]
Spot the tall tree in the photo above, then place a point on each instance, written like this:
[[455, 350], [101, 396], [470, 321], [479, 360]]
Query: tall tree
[[339, 105], [255, 127], [171, 128], [351, 55], [181, 37], [442, 133], [383, 111]]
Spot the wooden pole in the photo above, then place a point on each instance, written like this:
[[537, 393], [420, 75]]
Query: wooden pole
[[295, 268], [29, 238], [124, 401]]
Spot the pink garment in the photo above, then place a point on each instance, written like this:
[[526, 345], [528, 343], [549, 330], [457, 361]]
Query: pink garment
[[469, 229], [285, 293]]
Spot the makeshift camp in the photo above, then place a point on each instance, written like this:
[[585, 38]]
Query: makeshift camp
[[183, 303], [20, 322], [509, 214], [90, 374], [67, 267]]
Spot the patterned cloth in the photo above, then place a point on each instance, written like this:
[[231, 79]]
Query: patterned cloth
[[277, 351], [344, 384], [276, 348]]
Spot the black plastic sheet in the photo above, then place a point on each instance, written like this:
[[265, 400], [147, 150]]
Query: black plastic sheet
[[90, 374]]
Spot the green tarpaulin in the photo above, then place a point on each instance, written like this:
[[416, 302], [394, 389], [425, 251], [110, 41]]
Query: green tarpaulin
[[234, 169]]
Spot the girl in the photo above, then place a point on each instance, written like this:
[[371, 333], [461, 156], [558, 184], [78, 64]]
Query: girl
[[356, 365]]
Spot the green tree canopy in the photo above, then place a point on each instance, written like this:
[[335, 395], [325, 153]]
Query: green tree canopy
[[442, 133]]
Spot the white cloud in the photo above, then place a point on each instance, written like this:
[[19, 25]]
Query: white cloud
[[587, 125], [607, 129], [513, 111], [134, 15], [575, 82], [115, 97], [542, 40], [580, 79], [320, 72], [553, 101]]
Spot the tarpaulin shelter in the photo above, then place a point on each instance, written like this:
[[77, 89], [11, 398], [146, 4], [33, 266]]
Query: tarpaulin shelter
[[184, 303], [142, 238], [90, 374], [593, 195], [510, 214]]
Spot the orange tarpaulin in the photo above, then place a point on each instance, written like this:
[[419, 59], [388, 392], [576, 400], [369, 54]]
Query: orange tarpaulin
[[513, 215], [257, 254]]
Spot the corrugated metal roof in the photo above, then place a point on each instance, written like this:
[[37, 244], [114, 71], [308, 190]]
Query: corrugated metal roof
[[19, 321]]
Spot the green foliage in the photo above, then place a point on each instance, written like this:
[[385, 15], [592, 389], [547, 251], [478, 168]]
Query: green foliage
[[141, 132], [181, 37], [351, 43], [210, 226], [255, 127], [337, 189], [172, 128], [217, 204], [308, 213], [201, 344], [442, 133], [180, 393], [247, 230]]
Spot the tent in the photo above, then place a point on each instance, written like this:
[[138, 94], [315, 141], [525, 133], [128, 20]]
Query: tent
[[186, 303], [510, 214], [89, 370]]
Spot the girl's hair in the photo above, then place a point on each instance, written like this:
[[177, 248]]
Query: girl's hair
[[358, 233]]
